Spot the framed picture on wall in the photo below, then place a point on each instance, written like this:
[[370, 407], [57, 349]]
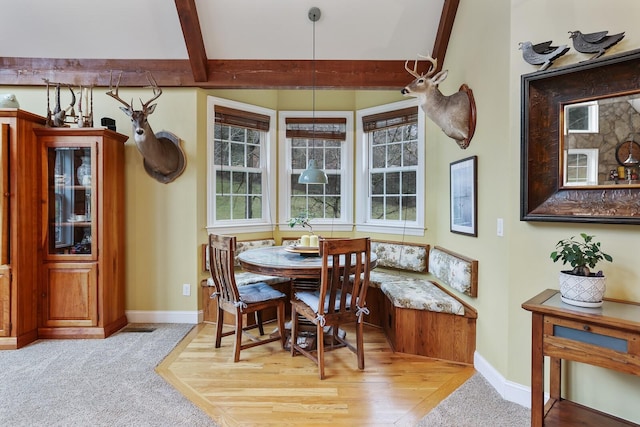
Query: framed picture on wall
[[463, 178]]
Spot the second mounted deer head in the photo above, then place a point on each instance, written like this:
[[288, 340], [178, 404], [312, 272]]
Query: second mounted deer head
[[455, 114], [163, 156]]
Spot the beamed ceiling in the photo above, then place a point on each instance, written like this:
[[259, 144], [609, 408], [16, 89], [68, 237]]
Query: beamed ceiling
[[243, 44]]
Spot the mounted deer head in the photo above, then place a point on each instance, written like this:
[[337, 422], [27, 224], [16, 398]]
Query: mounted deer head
[[455, 114], [163, 156]]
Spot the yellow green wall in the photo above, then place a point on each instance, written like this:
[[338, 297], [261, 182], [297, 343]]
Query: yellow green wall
[[166, 223]]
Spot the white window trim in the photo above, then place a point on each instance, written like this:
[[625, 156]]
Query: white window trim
[[592, 117], [363, 223], [268, 159], [284, 171], [592, 166]]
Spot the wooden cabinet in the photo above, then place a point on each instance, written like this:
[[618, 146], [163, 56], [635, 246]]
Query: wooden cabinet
[[20, 225], [83, 291], [608, 337]]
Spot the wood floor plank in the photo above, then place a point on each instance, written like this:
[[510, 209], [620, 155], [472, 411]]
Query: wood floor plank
[[268, 387]]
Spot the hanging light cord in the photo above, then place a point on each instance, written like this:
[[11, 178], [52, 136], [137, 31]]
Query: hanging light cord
[[313, 92]]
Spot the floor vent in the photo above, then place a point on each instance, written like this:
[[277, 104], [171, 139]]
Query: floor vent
[[137, 329]]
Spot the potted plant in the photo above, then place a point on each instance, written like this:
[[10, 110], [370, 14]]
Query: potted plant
[[302, 220], [580, 286]]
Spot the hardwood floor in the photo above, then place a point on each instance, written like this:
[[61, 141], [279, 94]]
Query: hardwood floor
[[268, 387]]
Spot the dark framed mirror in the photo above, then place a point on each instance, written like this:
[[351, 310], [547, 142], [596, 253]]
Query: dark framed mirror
[[571, 143]]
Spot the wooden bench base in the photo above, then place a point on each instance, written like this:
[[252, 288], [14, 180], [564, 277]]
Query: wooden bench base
[[424, 333]]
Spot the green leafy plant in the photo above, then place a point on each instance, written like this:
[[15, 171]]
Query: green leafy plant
[[302, 220], [580, 255]]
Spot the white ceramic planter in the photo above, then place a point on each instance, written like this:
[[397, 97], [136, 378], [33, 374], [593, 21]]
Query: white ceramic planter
[[583, 291]]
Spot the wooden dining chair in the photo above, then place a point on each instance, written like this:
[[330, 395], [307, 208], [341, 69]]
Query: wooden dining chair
[[340, 299], [241, 300]]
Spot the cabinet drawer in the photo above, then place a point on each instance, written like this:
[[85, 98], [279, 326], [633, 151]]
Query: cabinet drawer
[[590, 343]]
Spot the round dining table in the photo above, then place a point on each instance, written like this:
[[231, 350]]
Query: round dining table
[[278, 261]]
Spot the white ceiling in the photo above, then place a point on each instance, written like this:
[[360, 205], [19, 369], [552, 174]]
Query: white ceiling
[[231, 29]]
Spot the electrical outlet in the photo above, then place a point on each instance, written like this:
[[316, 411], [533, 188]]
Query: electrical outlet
[[500, 227], [186, 290]]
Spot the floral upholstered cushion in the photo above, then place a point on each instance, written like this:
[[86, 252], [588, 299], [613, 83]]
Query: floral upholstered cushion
[[421, 294], [401, 256], [378, 277], [251, 244], [452, 270]]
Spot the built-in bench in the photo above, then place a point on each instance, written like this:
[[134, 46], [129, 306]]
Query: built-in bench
[[409, 298]]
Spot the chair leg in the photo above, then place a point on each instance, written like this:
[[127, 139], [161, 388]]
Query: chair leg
[[320, 349], [238, 336], [360, 344], [219, 323], [294, 331], [258, 316], [280, 315]]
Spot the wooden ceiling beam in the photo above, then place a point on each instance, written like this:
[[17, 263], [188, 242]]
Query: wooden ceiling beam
[[192, 33], [447, 18], [222, 74]]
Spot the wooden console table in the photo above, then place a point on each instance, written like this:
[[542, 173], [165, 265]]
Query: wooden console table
[[608, 337]]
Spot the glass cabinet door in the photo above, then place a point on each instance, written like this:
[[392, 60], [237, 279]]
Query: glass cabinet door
[[71, 183]]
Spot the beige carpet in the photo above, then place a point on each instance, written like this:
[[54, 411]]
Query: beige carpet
[[109, 382], [477, 404]]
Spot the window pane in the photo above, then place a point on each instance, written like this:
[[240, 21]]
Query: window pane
[[409, 208], [239, 182], [410, 154], [377, 183], [333, 205], [237, 134], [377, 207], [238, 206], [237, 155], [223, 207], [393, 183], [298, 205], [255, 207], [409, 183], [392, 208], [378, 156], [394, 155], [221, 153]]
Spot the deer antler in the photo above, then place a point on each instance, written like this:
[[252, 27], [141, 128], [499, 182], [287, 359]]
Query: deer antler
[[157, 91], [113, 94], [414, 72]]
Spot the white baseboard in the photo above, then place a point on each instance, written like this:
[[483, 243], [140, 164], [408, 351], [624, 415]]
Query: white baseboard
[[509, 390], [140, 316]]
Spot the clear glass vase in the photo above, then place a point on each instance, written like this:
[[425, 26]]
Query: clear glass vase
[[84, 171]]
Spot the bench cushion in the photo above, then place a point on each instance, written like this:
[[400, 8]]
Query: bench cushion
[[421, 294], [401, 256], [378, 277], [454, 270]]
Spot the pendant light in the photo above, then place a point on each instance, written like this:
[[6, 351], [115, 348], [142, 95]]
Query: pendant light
[[631, 161], [313, 175]]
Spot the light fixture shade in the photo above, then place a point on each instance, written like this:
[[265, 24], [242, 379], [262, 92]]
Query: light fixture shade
[[312, 175]]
